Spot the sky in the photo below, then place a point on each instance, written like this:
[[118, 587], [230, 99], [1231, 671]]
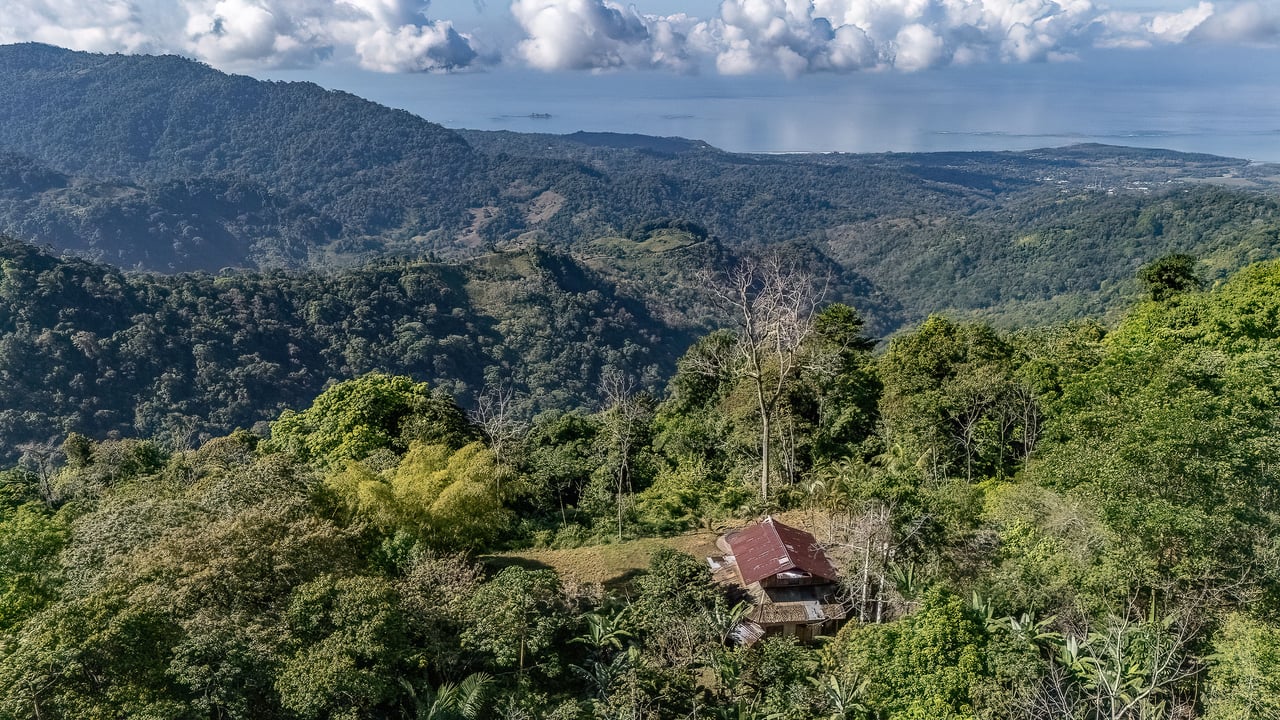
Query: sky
[[769, 74], [732, 37]]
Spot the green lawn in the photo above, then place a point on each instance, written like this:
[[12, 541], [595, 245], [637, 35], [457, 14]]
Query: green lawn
[[611, 565]]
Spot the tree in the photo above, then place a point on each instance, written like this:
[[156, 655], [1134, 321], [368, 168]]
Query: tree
[[515, 617], [777, 670], [557, 459], [496, 415], [1244, 675], [1137, 665], [923, 666], [872, 515], [626, 416], [774, 304], [350, 640], [448, 499], [679, 609], [951, 399], [1170, 275], [29, 571], [841, 378], [354, 418]]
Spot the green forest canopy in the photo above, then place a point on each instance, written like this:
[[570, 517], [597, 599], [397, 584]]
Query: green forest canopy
[[1069, 521]]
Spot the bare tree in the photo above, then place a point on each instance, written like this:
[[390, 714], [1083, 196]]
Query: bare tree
[[774, 303], [1134, 665], [624, 413], [41, 459], [497, 416]]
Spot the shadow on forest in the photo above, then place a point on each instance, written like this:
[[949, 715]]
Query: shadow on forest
[[495, 563], [621, 584]]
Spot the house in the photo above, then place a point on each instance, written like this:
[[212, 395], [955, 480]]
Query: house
[[785, 575]]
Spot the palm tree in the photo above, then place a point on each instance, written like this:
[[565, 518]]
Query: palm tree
[[463, 701]]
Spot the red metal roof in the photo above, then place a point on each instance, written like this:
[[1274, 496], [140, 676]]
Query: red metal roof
[[770, 547]]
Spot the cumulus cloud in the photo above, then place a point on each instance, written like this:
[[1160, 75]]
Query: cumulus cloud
[[1143, 30], [802, 36], [229, 32], [758, 35], [1249, 23], [744, 36], [598, 34], [106, 26], [799, 36], [385, 35]]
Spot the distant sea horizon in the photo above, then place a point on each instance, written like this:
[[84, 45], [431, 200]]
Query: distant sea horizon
[[1216, 101]]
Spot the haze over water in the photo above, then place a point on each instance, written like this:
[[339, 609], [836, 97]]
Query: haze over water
[[1212, 101]]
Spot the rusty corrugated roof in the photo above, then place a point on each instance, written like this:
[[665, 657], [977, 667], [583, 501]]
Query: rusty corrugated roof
[[770, 547]]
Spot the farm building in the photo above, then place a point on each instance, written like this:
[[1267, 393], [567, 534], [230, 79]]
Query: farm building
[[787, 577]]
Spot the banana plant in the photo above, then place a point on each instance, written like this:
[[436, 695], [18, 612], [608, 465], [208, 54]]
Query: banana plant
[[844, 699]]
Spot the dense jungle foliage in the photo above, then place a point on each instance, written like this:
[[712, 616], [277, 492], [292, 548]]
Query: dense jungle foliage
[[1065, 522], [87, 348]]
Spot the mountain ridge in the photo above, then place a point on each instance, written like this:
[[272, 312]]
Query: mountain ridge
[[164, 164]]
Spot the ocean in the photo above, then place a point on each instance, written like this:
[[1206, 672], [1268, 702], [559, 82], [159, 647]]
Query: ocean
[[1223, 101]]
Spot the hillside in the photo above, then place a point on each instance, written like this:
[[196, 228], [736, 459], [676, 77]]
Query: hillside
[[1063, 523], [86, 348], [160, 163], [312, 410]]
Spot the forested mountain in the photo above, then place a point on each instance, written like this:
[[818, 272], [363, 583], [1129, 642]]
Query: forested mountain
[[86, 348], [162, 163], [1068, 522], [197, 224]]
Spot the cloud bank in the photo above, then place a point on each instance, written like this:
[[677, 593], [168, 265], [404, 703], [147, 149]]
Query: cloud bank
[[745, 36], [804, 36], [384, 35], [106, 26]]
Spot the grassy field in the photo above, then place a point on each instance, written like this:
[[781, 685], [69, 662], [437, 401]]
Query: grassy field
[[611, 565], [615, 564]]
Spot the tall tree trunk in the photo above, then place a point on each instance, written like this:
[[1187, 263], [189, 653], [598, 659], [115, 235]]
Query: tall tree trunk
[[622, 471], [765, 433], [866, 579]]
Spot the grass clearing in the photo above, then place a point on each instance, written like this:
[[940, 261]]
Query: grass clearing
[[612, 565]]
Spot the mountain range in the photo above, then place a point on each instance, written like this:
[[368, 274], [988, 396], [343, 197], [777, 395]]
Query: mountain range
[[165, 164], [194, 251]]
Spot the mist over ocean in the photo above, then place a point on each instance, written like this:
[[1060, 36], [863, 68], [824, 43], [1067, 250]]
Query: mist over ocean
[[1225, 102]]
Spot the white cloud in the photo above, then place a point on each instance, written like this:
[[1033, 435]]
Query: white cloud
[[415, 48], [763, 35], [1136, 30], [744, 36], [917, 47], [802, 36], [105, 26], [1249, 23], [385, 35], [230, 32], [598, 34], [905, 34]]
